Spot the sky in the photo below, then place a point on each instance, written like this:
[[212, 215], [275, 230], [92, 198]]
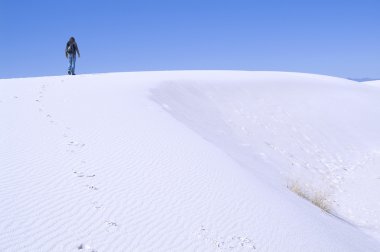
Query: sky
[[332, 37]]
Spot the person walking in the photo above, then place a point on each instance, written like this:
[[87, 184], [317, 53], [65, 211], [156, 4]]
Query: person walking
[[71, 51]]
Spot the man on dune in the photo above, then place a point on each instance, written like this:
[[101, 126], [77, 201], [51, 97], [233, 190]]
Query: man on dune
[[71, 52]]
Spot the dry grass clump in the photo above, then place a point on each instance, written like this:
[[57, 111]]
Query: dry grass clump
[[318, 199]]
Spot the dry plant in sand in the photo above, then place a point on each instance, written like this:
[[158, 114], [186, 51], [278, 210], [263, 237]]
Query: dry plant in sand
[[317, 198]]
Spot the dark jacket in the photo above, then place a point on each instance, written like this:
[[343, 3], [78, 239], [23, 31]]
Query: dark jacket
[[72, 48]]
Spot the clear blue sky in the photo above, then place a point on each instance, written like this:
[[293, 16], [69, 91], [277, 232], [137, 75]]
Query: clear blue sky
[[333, 37]]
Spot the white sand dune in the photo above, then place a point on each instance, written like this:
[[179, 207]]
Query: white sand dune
[[189, 161], [375, 83]]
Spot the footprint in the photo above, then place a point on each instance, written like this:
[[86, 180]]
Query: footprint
[[86, 247], [91, 187], [97, 205], [111, 226], [111, 223], [81, 174], [242, 242], [78, 174], [231, 242], [74, 143]]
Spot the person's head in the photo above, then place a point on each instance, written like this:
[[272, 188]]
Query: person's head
[[72, 39]]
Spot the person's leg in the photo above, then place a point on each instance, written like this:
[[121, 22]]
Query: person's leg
[[70, 64], [73, 65]]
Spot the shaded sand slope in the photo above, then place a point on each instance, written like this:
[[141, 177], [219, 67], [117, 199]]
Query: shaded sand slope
[[318, 132]]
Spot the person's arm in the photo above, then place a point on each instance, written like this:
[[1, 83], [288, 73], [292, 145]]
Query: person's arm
[[77, 49], [67, 55]]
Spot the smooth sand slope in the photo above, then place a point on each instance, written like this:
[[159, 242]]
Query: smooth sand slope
[[375, 83], [189, 161]]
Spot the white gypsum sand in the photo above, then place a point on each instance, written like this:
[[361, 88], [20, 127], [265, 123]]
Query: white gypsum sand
[[189, 161], [375, 83]]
